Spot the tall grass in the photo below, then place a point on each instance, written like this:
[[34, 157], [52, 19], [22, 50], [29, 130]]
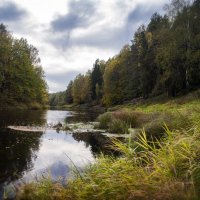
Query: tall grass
[[166, 169], [118, 121]]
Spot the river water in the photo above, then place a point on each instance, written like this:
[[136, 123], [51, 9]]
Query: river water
[[26, 156]]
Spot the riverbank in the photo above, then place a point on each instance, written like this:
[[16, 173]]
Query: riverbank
[[97, 108], [22, 106], [164, 168], [150, 115]]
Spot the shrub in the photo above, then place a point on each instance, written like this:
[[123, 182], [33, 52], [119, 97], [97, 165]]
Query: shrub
[[118, 126], [104, 120], [119, 121]]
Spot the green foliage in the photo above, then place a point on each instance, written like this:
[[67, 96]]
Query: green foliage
[[97, 80], [57, 99], [104, 120], [21, 76], [121, 81], [69, 97], [118, 121], [47, 190], [81, 91], [152, 115], [118, 126]]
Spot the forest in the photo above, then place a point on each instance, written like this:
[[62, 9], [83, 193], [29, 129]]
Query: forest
[[22, 81], [163, 58]]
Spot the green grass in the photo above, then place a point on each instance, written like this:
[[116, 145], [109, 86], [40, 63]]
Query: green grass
[[151, 115], [163, 167], [119, 121], [163, 104]]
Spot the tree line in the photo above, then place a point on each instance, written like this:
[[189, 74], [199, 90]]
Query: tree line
[[21, 75], [163, 58]]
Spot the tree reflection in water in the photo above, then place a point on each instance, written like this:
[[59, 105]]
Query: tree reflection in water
[[98, 142], [17, 152]]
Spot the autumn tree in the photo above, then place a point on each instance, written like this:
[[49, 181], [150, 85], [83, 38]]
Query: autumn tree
[[21, 76], [69, 97]]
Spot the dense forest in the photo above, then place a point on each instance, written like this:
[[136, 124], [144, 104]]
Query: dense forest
[[21, 75], [163, 58], [57, 99]]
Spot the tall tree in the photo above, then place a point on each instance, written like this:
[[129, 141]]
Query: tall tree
[[21, 76], [69, 97], [96, 80]]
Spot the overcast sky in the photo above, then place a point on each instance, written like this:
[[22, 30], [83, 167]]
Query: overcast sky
[[71, 34]]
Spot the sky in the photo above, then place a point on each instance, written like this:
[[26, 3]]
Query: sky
[[71, 34]]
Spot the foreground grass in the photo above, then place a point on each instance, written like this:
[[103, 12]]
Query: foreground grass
[[149, 168]]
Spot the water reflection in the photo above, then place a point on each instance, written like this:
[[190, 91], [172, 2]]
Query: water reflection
[[84, 116], [25, 155], [98, 142], [55, 155], [16, 153], [55, 116], [22, 117]]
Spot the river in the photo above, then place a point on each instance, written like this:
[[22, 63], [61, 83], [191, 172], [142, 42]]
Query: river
[[26, 156]]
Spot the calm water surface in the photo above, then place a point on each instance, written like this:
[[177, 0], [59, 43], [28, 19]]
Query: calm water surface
[[24, 156]]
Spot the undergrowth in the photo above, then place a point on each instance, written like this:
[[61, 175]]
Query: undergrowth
[[176, 113]]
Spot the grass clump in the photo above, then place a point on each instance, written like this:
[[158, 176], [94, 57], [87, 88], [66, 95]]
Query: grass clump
[[118, 126], [104, 120], [118, 121], [46, 189]]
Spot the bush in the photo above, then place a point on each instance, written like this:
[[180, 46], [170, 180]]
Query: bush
[[118, 126], [127, 116], [104, 120], [118, 121]]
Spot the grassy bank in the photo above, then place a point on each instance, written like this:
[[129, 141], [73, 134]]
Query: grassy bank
[[150, 115], [149, 168]]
